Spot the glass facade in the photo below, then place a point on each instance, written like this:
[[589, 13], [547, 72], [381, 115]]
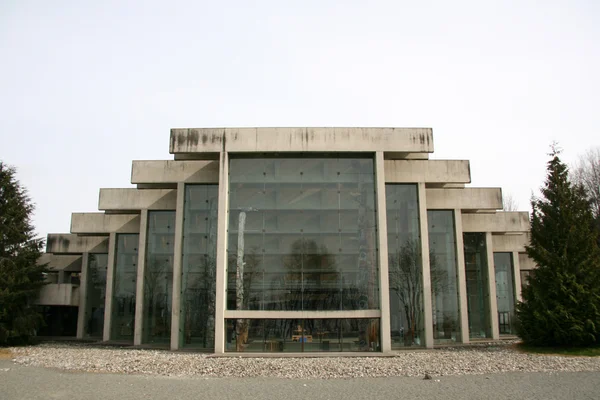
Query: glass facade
[[96, 294], [405, 265], [298, 335], [478, 296], [444, 276], [158, 277], [124, 290], [197, 323], [505, 292]]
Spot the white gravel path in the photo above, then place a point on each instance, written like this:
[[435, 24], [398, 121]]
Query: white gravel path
[[476, 359]]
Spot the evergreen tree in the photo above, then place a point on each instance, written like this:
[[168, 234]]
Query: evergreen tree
[[20, 276], [561, 304]]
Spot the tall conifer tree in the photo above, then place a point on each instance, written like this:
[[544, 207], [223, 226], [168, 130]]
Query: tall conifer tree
[[561, 303]]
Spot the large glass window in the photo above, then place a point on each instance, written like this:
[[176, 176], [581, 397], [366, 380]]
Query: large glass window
[[478, 296], [124, 290], [405, 265], [444, 277], [505, 292], [199, 261], [96, 294], [298, 335], [302, 234], [158, 277]]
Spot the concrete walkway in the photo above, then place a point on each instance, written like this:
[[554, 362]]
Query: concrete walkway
[[19, 382]]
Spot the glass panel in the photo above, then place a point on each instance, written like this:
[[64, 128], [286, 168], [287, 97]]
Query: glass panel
[[302, 234], [444, 276], [158, 277], [505, 292], [297, 335], [199, 272], [478, 297], [124, 291], [405, 265], [96, 294]]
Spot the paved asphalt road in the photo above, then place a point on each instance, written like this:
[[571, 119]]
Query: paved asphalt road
[[18, 382]]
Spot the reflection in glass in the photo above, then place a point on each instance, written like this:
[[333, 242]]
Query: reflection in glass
[[298, 335], [405, 265], [444, 276], [199, 261], [158, 277], [124, 291], [96, 294], [478, 297], [505, 292]]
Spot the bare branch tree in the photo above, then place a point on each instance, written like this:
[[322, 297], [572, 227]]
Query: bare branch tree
[[510, 203], [586, 172]]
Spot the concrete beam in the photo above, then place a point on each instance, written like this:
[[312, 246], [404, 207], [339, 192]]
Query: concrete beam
[[59, 294], [500, 222], [202, 140], [65, 243], [136, 199], [61, 262], [97, 223], [464, 199], [238, 314], [169, 171], [428, 171], [510, 243]]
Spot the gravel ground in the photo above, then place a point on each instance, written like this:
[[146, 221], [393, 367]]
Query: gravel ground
[[475, 359]]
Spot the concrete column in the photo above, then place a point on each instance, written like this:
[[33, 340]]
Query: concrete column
[[110, 285], [493, 303], [517, 275], [461, 277], [424, 228], [176, 332], [221, 279], [139, 290], [384, 287], [82, 312], [61, 277]]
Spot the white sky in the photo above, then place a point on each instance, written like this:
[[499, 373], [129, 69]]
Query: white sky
[[88, 86]]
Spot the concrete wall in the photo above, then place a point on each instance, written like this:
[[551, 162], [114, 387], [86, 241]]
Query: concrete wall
[[61, 262], [525, 262], [64, 243], [510, 243], [499, 222], [59, 294], [149, 172], [429, 171], [419, 140], [96, 223], [137, 199], [464, 199]]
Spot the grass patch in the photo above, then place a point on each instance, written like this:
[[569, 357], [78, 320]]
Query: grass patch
[[5, 354], [561, 351]]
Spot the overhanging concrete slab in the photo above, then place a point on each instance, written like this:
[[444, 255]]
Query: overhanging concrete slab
[[510, 243], [65, 243], [171, 171], [61, 262], [465, 199], [100, 223], [137, 199], [428, 171], [500, 222]]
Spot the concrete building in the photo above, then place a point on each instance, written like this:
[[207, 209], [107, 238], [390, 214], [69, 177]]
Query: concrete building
[[291, 239]]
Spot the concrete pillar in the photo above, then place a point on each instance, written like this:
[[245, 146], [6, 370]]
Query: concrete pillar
[[461, 277], [82, 311], [516, 275], [221, 279], [176, 332], [110, 285], [384, 287], [139, 290], [493, 303], [61, 277], [424, 228]]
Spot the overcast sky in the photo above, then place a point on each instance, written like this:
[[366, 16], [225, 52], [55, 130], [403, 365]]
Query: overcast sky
[[88, 86]]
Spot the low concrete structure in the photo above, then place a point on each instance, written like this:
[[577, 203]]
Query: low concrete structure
[[293, 239]]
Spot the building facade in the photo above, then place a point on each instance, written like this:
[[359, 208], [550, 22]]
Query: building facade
[[294, 240]]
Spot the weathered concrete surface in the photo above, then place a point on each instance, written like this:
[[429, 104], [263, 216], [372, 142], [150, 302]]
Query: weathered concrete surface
[[418, 140], [498, 222], [525, 262], [510, 243], [59, 294], [61, 262], [96, 223], [169, 171], [65, 243], [137, 199], [464, 199], [428, 171]]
